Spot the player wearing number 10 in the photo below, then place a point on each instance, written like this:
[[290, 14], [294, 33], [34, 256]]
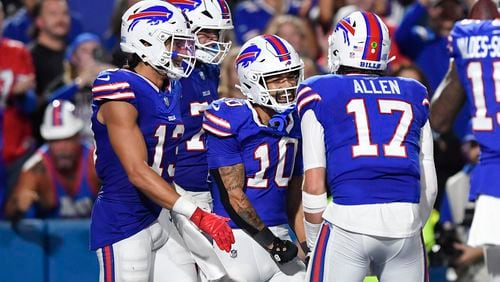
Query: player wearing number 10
[[255, 159], [475, 75], [368, 135], [134, 123]]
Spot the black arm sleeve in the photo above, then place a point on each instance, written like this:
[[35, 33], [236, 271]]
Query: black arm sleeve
[[227, 205]]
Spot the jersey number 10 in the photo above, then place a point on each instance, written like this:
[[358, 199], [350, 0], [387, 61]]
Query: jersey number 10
[[261, 153]]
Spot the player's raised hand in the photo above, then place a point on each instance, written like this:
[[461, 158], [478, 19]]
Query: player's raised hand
[[215, 226], [283, 251]]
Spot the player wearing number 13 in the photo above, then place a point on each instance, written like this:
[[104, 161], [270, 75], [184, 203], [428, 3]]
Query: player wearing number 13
[[135, 125], [255, 159], [368, 136], [474, 74]]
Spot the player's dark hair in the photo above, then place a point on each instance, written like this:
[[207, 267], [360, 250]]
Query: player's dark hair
[[131, 61], [348, 70]]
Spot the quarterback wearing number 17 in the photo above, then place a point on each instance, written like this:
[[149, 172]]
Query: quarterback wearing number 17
[[366, 136]]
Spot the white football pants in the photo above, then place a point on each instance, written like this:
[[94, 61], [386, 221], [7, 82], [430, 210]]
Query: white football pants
[[341, 255], [149, 255], [196, 242], [249, 262], [492, 260]]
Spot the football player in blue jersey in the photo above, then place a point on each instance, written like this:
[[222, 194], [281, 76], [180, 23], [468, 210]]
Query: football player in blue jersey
[[474, 74], [255, 161], [135, 124], [210, 22], [366, 136]]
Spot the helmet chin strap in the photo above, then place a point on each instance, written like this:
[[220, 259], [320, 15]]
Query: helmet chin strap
[[391, 59]]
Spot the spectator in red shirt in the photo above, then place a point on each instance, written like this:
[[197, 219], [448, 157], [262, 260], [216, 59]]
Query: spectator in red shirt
[[17, 82]]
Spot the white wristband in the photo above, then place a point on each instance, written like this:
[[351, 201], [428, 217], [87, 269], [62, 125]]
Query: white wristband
[[312, 230], [314, 203], [184, 207]]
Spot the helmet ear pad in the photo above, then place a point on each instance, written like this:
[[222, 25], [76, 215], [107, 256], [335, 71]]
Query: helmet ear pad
[[333, 57]]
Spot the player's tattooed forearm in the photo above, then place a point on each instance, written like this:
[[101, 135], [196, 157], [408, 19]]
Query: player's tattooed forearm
[[250, 216], [233, 176], [244, 209]]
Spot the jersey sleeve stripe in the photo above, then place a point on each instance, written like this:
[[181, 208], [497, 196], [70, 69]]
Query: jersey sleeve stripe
[[307, 100], [217, 120], [425, 102], [110, 87], [304, 91], [215, 131], [115, 96]]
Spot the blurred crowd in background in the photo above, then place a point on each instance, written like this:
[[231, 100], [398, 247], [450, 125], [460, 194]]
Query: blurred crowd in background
[[48, 54]]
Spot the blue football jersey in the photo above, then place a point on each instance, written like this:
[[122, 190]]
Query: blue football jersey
[[198, 91], [120, 209], [372, 131], [475, 46], [235, 135]]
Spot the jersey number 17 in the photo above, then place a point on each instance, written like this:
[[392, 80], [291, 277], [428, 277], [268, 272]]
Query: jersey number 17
[[395, 147]]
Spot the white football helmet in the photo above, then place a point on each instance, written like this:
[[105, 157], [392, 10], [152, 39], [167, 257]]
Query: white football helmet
[[60, 121], [208, 15], [360, 40], [159, 33], [263, 57]]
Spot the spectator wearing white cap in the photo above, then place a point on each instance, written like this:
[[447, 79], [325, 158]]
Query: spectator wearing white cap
[[59, 180]]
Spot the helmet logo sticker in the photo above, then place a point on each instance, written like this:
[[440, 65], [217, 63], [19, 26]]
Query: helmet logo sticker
[[186, 5], [248, 56], [153, 15], [346, 28], [374, 47]]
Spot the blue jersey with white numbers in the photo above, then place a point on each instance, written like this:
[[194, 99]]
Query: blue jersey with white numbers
[[198, 91], [235, 135], [475, 45], [372, 131], [120, 209]]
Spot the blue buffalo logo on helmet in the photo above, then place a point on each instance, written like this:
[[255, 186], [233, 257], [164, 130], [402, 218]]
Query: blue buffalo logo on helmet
[[153, 15], [345, 26], [248, 56], [186, 5]]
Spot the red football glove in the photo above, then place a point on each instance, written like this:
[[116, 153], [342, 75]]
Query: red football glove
[[215, 226]]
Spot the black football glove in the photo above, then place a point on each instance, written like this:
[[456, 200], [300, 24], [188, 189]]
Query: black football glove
[[283, 251]]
